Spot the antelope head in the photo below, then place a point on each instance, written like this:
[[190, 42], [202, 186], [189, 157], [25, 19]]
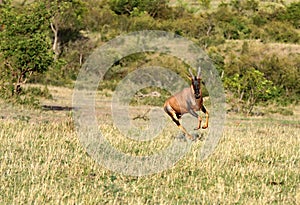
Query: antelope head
[[196, 81]]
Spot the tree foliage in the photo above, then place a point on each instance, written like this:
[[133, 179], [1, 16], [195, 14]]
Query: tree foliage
[[25, 44], [251, 87], [66, 21]]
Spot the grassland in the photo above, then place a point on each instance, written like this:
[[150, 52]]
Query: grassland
[[42, 161], [257, 161]]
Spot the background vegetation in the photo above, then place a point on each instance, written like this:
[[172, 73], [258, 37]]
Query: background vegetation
[[247, 40]]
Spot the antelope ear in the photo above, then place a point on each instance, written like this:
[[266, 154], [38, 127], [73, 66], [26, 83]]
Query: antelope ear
[[199, 72]]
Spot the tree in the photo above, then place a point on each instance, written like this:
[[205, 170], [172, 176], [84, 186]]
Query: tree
[[250, 88], [25, 46], [66, 21]]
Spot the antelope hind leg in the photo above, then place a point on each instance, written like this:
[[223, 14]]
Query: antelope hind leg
[[175, 119], [185, 132]]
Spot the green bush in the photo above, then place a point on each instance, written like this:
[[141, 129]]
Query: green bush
[[285, 74], [259, 20], [251, 87], [292, 14], [143, 22], [29, 96], [99, 17], [134, 7], [276, 31]]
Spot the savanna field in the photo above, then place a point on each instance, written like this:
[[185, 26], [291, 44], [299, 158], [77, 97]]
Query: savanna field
[[253, 45], [257, 161]]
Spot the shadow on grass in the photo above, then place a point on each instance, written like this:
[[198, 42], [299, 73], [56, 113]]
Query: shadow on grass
[[57, 108], [196, 137]]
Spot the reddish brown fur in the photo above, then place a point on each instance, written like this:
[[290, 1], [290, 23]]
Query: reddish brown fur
[[186, 102]]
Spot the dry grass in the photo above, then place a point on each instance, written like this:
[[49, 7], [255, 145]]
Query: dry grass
[[41, 161]]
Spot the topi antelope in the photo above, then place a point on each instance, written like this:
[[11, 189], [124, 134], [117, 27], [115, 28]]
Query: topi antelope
[[189, 100]]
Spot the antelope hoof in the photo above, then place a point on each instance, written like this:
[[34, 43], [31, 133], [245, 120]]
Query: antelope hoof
[[193, 138], [205, 126], [190, 137], [197, 128]]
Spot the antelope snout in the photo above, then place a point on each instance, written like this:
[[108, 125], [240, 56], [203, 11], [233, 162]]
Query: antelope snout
[[197, 96]]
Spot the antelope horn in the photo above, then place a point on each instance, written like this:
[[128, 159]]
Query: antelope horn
[[191, 73], [199, 72]]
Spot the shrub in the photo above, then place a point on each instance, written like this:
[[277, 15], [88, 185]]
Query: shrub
[[153, 7], [277, 31], [251, 87], [292, 14]]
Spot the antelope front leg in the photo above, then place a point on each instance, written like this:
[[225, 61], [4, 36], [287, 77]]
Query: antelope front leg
[[193, 113], [199, 123], [206, 118]]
